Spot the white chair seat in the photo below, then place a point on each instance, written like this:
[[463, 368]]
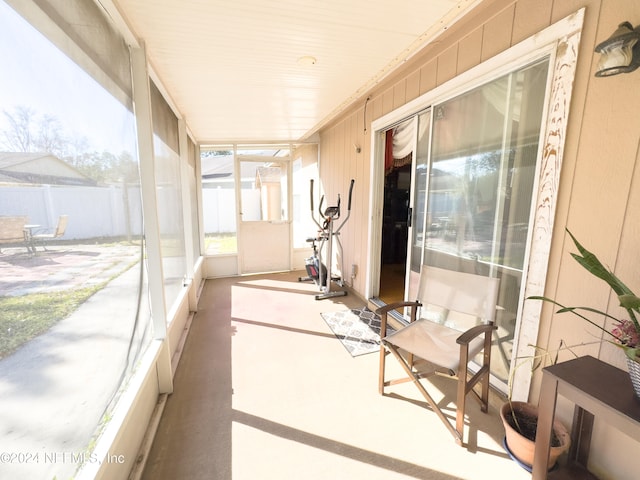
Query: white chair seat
[[433, 342]]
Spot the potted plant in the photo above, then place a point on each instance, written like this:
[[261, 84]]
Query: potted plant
[[520, 421], [520, 418], [625, 332]]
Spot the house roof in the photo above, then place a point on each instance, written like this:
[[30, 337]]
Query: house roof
[[27, 167], [221, 169]]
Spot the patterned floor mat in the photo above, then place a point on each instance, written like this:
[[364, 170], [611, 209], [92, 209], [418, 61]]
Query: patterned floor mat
[[358, 329]]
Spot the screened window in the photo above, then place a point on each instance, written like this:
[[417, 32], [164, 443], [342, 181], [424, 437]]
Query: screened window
[[74, 318], [259, 173], [219, 200], [170, 219], [193, 197], [169, 197], [305, 169]]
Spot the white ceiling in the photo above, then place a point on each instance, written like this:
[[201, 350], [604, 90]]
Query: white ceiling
[[231, 66]]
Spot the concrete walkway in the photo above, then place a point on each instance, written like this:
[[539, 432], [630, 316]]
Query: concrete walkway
[[54, 390]]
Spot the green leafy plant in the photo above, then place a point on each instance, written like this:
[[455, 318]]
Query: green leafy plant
[[625, 332]]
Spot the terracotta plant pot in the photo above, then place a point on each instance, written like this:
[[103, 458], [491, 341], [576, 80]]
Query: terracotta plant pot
[[521, 447]]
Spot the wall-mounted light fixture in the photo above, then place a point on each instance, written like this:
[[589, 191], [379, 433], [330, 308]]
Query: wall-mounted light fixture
[[620, 53]]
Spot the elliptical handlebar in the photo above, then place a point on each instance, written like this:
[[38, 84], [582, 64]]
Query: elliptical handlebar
[[320, 214], [332, 212], [311, 203], [337, 231]]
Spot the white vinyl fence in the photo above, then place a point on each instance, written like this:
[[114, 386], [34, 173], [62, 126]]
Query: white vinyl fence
[[218, 210], [93, 212], [99, 212]]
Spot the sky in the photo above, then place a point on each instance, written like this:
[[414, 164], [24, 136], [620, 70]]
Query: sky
[[35, 74]]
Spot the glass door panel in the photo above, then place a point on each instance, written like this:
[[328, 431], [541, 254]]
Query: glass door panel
[[418, 205], [484, 149]]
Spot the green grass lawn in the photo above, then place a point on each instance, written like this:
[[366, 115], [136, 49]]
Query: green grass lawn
[[221, 243], [25, 317]]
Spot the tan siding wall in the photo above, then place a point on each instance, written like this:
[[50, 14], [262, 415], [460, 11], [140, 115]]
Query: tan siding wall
[[497, 33], [428, 77], [599, 196], [470, 51], [530, 15]]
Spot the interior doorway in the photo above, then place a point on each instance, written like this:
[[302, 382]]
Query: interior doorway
[[395, 233]]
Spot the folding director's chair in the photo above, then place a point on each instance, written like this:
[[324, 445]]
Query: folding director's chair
[[444, 297]]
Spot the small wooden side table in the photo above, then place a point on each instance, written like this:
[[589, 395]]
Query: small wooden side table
[[596, 388]]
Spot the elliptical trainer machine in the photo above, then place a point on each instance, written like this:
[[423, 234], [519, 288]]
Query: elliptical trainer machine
[[316, 270]]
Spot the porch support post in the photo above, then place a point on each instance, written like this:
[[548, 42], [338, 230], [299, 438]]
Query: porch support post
[[144, 126]]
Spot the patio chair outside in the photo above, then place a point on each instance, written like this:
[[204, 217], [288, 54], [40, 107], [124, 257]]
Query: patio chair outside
[[43, 238], [12, 231], [444, 350]]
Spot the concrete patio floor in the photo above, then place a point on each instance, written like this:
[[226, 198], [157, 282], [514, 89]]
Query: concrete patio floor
[[61, 267], [264, 390]]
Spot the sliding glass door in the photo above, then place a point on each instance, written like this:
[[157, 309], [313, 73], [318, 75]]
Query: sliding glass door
[[474, 181]]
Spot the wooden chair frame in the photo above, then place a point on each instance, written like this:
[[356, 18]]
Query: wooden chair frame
[[466, 382]]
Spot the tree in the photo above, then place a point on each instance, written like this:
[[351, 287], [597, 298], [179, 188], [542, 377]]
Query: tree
[[17, 138], [50, 136], [27, 132], [105, 167]]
